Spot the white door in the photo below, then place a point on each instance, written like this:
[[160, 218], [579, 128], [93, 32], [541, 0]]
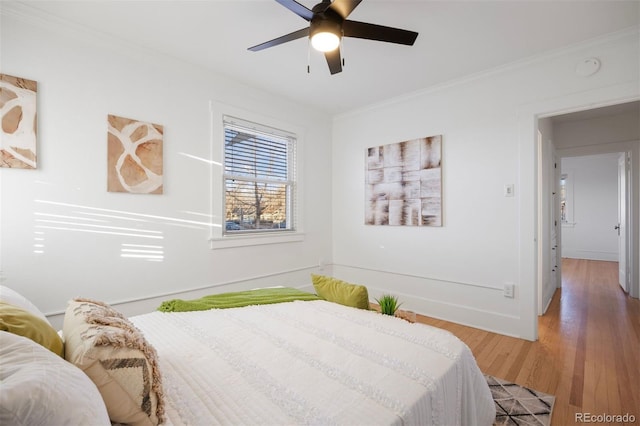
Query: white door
[[622, 221], [556, 232]]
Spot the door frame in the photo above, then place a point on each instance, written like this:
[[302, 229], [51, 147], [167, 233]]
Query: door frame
[[632, 198], [546, 192], [604, 150], [624, 200]]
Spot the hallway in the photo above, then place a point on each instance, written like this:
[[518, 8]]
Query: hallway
[[588, 352]]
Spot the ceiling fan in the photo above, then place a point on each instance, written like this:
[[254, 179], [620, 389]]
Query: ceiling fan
[[329, 23]]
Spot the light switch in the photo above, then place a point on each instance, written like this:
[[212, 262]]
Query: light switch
[[508, 290], [508, 190]]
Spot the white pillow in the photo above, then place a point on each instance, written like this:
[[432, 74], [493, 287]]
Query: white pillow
[[14, 298], [41, 388]]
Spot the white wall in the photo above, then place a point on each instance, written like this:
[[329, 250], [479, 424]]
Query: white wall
[[489, 128], [81, 78], [595, 208]]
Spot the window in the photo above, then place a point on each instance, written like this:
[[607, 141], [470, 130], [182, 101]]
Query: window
[[563, 198], [566, 198], [259, 178]]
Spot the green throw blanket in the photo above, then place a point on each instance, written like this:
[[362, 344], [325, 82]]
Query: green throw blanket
[[263, 296]]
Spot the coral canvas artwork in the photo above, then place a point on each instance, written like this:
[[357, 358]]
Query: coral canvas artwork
[[404, 183], [18, 122], [134, 156]]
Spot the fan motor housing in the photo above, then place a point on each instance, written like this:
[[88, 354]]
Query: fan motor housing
[[325, 24]]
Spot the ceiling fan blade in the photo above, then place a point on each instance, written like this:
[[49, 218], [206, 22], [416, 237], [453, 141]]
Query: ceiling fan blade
[[344, 7], [378, 32], [282, 39], [297, 8], [334, 61]]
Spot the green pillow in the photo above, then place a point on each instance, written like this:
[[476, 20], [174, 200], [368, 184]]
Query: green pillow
[[23, 323], [341, 292]]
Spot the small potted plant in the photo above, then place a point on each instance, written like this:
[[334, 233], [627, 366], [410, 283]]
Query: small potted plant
[[388, 304]]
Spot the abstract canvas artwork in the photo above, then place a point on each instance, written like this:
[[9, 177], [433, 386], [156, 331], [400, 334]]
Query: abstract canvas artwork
[[404, 183], [18, 122], [134, 156]]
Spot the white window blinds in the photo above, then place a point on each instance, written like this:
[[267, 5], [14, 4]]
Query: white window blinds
[[259, 177]]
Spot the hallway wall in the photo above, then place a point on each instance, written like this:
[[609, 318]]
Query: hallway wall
[[593, 207]]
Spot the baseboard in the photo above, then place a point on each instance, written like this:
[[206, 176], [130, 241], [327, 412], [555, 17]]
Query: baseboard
[[297, 278], [477, 305], [606, 256], [548, 302]]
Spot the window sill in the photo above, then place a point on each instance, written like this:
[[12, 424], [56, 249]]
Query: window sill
[[254, 240]]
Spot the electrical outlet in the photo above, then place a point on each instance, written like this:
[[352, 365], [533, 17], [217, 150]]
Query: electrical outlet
[[508, 290]]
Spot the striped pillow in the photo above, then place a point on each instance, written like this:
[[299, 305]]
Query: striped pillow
[[116, 356]]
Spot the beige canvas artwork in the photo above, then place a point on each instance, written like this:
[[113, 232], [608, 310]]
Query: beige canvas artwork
[[404, 183], [19, 124], [134, 156]]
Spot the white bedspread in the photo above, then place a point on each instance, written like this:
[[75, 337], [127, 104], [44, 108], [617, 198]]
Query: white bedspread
[[313, 363]]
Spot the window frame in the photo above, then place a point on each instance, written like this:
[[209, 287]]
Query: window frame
[[260, 133], [219, 238], [567, 198]]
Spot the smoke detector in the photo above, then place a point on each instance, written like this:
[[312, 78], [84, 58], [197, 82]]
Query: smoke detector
[[588, 67]]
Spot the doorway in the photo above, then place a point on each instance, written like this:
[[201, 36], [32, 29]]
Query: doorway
[[592, 224], [594, 132]]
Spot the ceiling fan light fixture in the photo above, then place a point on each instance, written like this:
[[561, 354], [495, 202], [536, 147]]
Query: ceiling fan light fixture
[[325, 34], [325, 41]]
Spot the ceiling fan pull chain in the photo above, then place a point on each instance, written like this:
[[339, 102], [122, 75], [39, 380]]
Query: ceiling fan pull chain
[[309, 56]]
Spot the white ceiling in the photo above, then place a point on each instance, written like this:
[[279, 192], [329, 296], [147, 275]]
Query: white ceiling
[[457, 38]]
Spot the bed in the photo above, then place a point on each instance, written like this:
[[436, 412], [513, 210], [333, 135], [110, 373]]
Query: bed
[[295, 362]]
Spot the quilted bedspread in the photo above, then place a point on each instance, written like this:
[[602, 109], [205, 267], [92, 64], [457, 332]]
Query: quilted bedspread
[[313, 362]]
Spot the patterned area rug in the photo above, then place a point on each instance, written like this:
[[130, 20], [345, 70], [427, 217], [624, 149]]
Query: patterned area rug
[[517, 405]]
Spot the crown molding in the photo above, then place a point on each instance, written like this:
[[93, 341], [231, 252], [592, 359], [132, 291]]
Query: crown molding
[[630, 32]]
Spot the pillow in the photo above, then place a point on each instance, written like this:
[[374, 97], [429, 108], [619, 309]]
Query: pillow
[[116, 356], [23, 323], [40, 388], [14, 298], [341, 292]]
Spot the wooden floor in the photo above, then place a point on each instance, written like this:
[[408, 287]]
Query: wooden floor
[[588, 352]]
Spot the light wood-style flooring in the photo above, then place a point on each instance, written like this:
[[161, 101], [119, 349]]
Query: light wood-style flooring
[[588, 352]]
